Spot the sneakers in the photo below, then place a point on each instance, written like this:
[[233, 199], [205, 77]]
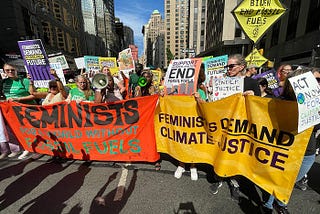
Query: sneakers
[[194, 174], [300, 185], [215, 187], [3, 155], [23, 155], [282, 209], [265, 210], [13, 154], [178, 172]]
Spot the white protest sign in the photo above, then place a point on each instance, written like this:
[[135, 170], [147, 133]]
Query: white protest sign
[[307, 92], [80, 62], [182, 74], [58, 67], [225, 86]]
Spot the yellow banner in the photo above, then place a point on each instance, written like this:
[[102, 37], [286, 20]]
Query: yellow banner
[[250, 136], [255, 17], [110, 62], [255, 58]]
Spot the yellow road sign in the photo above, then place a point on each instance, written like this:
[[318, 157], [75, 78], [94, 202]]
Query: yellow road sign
[[255, 58], [256, 16]]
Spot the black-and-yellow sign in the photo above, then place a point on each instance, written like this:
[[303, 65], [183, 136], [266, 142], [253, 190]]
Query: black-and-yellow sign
[[256, 16], [255, 58]]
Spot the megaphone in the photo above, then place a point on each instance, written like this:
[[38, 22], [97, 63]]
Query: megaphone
[[100, 81], [142, 81]]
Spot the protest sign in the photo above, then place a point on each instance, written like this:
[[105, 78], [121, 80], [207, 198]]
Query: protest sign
[[92, 65], [224, 86], [255, 17], [80, 62], [255, 58], [119, 131], [239, 135], [182, 76], [61, 59], [57, 66], [36, 62], [110, 62], [307, 91], [125, 60]]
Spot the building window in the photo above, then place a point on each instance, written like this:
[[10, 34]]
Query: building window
[[313, 21], [293, 19]]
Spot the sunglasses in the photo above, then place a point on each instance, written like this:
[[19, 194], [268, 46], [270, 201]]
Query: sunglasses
[[7, 70], [318, 79], [53, 87], [230, 66]]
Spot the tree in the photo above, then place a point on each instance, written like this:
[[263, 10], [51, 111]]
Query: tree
[[170, 56]]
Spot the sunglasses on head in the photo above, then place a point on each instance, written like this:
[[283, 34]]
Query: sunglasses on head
[[53, 86], [230, 66]]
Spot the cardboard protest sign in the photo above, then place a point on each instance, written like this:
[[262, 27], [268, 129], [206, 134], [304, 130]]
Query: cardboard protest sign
[[182, 76], [36, 62], [125, 60], [255, 58], [110, 62], [307, 92], [271, 77], [255, 17], [224, 86], [92, 65], [80, 62], [57, 66], [61, 59]]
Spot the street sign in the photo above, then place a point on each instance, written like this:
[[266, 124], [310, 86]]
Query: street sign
[[188, 51], [255, 17]]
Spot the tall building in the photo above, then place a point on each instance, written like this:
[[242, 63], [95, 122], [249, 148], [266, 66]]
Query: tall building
[[295, 38], [128, 36], [151, 31], [223, 34], [58, 24], [158, 52], [197, 27], [176, 27]]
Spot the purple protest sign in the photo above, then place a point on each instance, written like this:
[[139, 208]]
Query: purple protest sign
[[273, 81], [36, 61]]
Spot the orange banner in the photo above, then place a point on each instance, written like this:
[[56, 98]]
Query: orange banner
[[120, 131]]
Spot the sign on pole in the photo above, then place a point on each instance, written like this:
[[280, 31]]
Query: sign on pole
[[255, 58], [255, 17]]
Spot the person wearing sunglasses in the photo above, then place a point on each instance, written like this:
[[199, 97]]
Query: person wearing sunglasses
[[18, 90], [236, 67]]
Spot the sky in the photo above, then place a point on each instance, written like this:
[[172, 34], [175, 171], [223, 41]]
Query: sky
[[135, 14]]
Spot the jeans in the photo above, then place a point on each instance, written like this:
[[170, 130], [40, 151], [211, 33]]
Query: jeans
[[304, 169]]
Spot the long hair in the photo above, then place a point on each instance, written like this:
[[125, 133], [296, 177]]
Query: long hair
[[264, 82], [87, 91]]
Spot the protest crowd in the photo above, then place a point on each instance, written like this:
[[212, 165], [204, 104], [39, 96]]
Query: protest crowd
[[106, 87]]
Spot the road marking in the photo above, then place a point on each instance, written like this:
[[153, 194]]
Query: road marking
[[121, 185]]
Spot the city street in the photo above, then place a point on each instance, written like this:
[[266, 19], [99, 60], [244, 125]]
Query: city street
[[46, 186]]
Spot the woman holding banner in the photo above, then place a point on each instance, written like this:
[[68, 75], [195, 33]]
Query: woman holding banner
[[15, 89], [309, 156]]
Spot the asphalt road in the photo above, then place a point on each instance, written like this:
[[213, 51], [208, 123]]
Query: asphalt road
[[46, 186]]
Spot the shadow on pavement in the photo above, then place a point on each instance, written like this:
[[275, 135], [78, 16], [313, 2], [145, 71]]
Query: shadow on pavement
[[53, 201], [107, 203], [313, 176], [14, 170]]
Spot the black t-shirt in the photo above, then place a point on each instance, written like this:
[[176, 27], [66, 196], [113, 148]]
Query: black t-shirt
[[251, 84]]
